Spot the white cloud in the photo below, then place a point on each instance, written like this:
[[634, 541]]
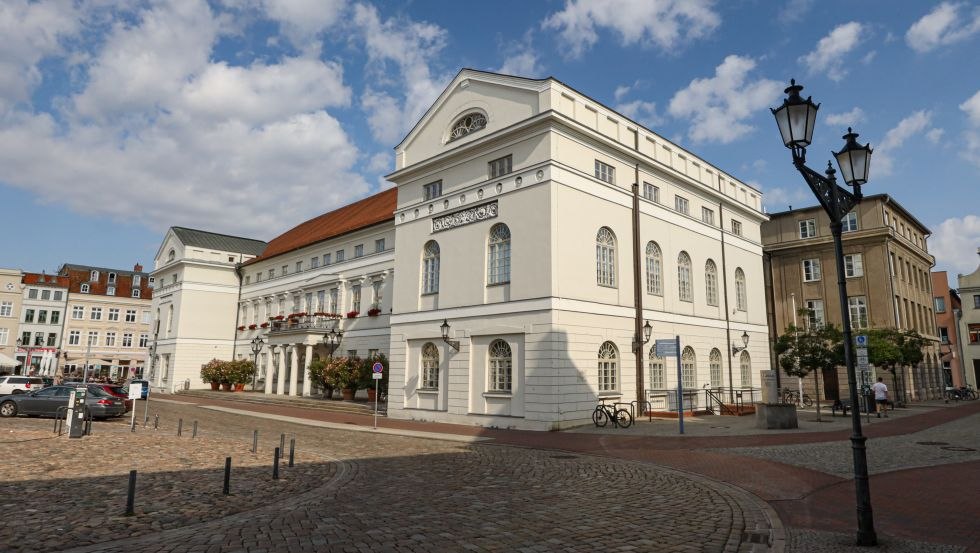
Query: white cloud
[[522, 64], [780, 199], [643, 112], [935, 135], [954, 243], [666, 24], [828, 57], [794, 10], [882, 163], [948, 23], [972, 108], [302, 20], [719, 106], [846, 119], [381, 162]]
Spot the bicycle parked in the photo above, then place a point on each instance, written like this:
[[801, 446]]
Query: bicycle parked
[[961, 393], [793, 396], [603, 413]]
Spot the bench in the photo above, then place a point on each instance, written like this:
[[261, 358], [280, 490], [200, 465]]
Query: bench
[[840, 405]]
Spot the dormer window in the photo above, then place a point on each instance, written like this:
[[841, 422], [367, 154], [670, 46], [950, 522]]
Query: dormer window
[[112, 278], [93, 276], [471, 122], [84, 289], [171, 255]]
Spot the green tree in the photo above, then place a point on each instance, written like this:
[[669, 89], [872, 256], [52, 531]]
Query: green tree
[[802, 351], [892, 349]]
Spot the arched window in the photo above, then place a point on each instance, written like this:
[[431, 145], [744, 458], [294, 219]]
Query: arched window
[[608, 367], [740, 298], [689, 374], [471, 122], [430, 366], [430, 268], [656, 371], [498, 255], [711, 282], [171, 255], [714, 362], [684, 289], [745, 365], [605, 257], [501, 366], [655, 270]]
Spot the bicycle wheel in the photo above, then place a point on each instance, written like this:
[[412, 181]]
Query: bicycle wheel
[[807, 402], [623, 418], [599, 417], [972, 394]]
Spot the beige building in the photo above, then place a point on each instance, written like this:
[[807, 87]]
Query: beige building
[[108, 321], [969, 290], [887, 268], [11, 295]]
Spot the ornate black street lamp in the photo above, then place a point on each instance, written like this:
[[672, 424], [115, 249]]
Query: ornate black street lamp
[[257, 344], [332, 340], [745, 344], [444, 327], [647, 332], [795, 119]]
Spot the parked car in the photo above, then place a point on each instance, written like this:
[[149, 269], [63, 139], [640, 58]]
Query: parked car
[[45, 403], [116, 391], [144, 383], [20, 384]]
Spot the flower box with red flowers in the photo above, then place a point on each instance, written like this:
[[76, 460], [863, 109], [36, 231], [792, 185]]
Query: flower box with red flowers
[[264, 325], [374, 312], [277, 318], [353, 314], [253, 326], [241, 327]]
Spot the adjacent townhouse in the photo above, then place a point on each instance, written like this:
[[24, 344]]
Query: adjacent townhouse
[[948, 309], [43, 308], [968, 287], [11, 295]]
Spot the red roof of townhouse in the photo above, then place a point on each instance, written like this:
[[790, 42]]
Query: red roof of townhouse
[[42, 279]]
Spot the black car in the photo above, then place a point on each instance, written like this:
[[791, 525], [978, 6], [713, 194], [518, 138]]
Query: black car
[[45, 403]]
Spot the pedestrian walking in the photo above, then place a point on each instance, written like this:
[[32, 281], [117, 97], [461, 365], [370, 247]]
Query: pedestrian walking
[[881, 397]]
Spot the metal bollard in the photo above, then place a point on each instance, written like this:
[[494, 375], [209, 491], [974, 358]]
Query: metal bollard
[[194, 434], [255, 441], [156, 421], [282, 445], [180, 426], [292, 449], [131, 494], [227, 475], [132, 425], [275, 465]]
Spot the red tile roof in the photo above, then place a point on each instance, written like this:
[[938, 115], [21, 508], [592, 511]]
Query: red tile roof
[[367, 212], [49, 280]]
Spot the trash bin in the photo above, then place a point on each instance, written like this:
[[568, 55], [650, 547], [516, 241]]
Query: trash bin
[[187, 384]]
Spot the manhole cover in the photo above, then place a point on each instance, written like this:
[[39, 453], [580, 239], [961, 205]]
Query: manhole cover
[[957, 448], [932, 443], [564, 456]]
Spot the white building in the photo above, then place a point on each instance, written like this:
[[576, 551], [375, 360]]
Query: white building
[[43, 312], [515, 203]]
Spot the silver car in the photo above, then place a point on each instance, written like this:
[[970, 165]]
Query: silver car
[[45, 403]]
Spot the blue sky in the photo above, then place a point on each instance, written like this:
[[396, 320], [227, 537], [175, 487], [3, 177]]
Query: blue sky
[[119, 119]]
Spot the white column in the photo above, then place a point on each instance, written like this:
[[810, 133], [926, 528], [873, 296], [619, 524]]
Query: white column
[[281, 378], [294, 364], [306, 370], [268, 369]]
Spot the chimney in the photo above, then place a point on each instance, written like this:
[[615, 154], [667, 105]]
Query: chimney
[[137, 268]]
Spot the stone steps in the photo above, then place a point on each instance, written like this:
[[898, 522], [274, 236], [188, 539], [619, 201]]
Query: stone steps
[[333, 405]]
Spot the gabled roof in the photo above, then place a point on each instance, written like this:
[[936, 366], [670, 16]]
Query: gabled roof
[[42, 279], [220, 242], [365, 213]]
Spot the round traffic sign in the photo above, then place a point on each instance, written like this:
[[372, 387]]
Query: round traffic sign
[[377, 367]]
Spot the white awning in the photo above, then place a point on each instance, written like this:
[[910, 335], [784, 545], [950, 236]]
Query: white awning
[[7, 361]]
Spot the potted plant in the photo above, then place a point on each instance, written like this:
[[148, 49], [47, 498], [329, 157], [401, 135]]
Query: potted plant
[[320, 376], [211, 372], [240, 373], [241, 327], [264, 325], [367, 376], [374, 312], [353, 314], [252, 326], [345, 373]]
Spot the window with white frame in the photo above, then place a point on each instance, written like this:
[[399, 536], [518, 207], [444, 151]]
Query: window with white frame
[[608, 368], [95, 314], [93, 337], [681, 205], [130, 315], [127, 340], [272, 273], [379, 245], [656, 370], [858, 309], [811, 270], [45, 294], [655, 269], [93, 276], [112, 278], [84, 288], [74, 338], [853, 265], [77, 312], [685, 291], [42, 316], [651, 192], [689, 371], [708, 216], [321, 300], [4, 336], [137, 280], [110, 291], [299, 267], [110, 339], [285, 270], [307, 303], [334, 298], [605, 172], [32, 293], [326, 259], [808, 228], [501, 366], [850, 222], [376, 294], [736, 227], [431, 190], [430, 366], [355, 298], [745, 367], [359, 250], [605, 257], [471, 122], [315, 262], [55, 317], [144, 340], [940, 304], [113, 314], [430, 268], [339, 256], [814, 313], [500, 167], [711, 283], [714, 368], [498, 255], [57, 295], [28, 315], [741, 299], [6, 309], [146, 317]]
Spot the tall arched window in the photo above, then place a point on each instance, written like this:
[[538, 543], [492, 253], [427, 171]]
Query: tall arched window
[[430, 366], [684, 289], [605, 257], [656, 371], [740, 298], [501, 366], [711, 282], [655, 270], [745, 366], [171, 255], [608, 367], [498, 255], [471, 122], [714, 362], [430, 268], [689, 372]]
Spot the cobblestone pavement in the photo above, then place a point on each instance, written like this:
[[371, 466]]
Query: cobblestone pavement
[[350, 491]]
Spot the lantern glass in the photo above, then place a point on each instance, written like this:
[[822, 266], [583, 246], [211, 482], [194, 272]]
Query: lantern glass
[[445, 329], [854, 160], [647, 331], [745, 339], [796, 118]]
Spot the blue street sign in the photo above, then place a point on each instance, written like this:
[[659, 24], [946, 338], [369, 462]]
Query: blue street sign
[[377, 367], [666, 348], [861, 340]]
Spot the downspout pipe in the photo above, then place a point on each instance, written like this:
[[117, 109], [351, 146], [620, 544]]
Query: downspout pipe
[[238, 307], [728, 321], [637, 283], [771, 318]]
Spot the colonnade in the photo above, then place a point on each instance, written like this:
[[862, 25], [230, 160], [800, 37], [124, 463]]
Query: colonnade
[[276, 366]]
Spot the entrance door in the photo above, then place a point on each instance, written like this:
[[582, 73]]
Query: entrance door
[[831, 386], [976, 372]]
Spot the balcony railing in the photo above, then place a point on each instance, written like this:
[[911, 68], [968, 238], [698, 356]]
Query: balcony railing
[[320, 324]]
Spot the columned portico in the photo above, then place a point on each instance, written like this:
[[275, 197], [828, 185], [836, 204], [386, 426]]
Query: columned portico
[[293, 369], [306, 370], [270, 369], [281, 376]]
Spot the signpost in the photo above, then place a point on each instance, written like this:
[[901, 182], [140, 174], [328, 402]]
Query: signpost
[[377, 371], [672, 348], [135, 392], [861, 341]]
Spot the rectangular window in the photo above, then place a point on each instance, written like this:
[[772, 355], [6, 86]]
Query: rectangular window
[[326, 259], [321, 299], [944, 334], [38, 338], [144, 340], [940, 304], [112, 278], [299, 266], [93, 337], [853, 265], [77, 312], [359, 250], [52, 338], [376, 288], [25, 338], [113, 314], [814, 318], [736, 227], [976, 302], [137, 280], [651, 192], [32, 294], [55, 317], [84, 287], [340, 256], [6, 309], [272, 274], [136, 292], [355, 298], [74, 338], [130, 315], [314, 262], [605, 172], [28, 315], [127, 340], [681, 205], [308, 297], [708, 216], [379, 245], [973, 331], [248, 279], [808, 228], [858, 308], [334, 294], [146, 317], [850, 222], [42, 316], [110, 339], [110, 291], [430, 191], [285, 270], [500, 167], [95, 314], [58, 295], [4, 336], [45, 294], [258, 277], [811, 270]]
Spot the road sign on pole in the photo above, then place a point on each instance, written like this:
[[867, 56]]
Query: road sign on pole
[[666, 348]]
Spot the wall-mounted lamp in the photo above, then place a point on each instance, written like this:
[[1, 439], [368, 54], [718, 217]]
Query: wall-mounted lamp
[[745, 344], [445, 335], [647, 332]]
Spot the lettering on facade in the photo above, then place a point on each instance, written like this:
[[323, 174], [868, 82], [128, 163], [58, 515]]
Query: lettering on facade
[[474, 214]]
